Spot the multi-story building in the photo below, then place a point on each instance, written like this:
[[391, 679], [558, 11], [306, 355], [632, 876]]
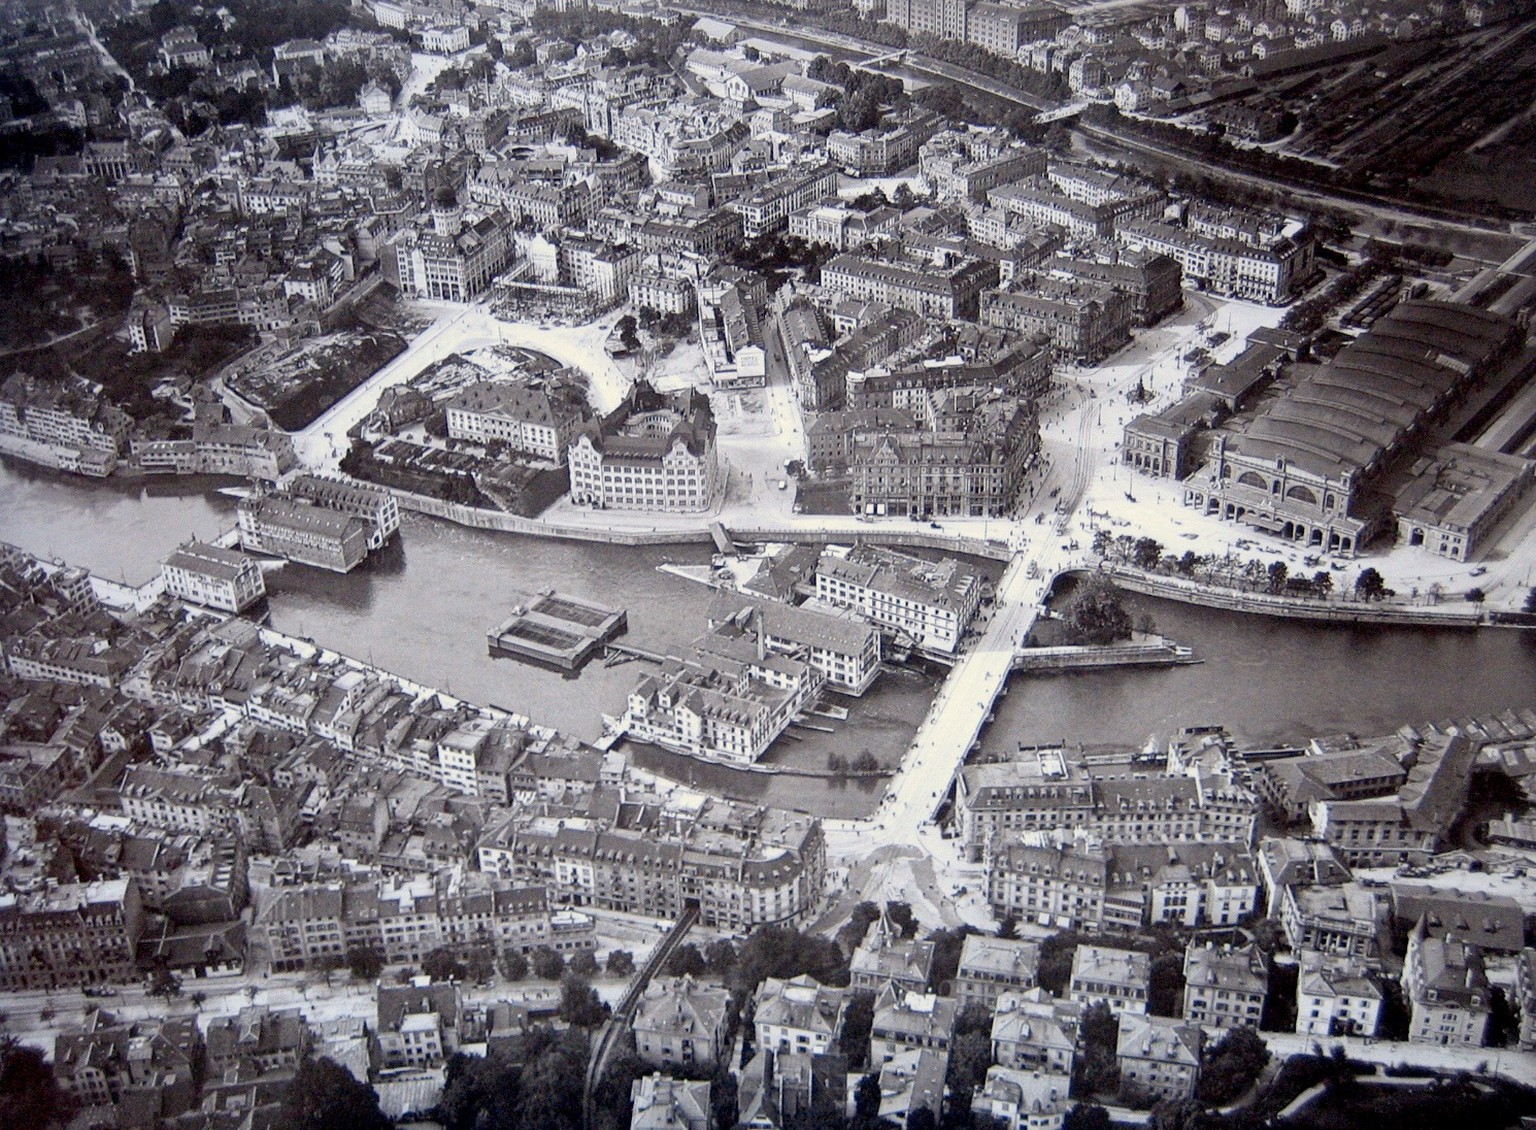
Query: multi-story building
[[990, 967], [1454, 503], [845, 652], [1159, 1058], [910, 1022], [528, 420], [1052, 886], [884, 958], [1085, 322], [876, 152], [842, 227], [1003, 28], [1274, 271], [1118, 977], [1153, 283], [1345, 919], [373, 505], [71, 934], [743, 866], [655, 452], [1335, 996], [221, 449], [286, 528], [72, 417], [1032, 1030], [942, 18], [949, 288], [727, 703], [930, 603], [1041, 790], [768, 208], [456, 264], [417, 1026], [257, 1041], [966, 166], [1022, 1100], [680, 1023], [1524, 997], [213, 576], [659, 1102], [1447, 990], [799, 1016], [969, 459], [1290, 786], [108, 1062], [1410, 825], [1225, 986]]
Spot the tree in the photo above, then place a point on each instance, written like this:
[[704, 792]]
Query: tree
[[900, 915], [514, 966], [620, 963], [365, 962], [442, 965], [866, 1099], [1476, 595], [1147, 553], [579, 1003], [1102, 540], [1277, 573], [1095, 613], [198, 999], [1098, 1068], [1232, 1064], [686, 961], [480, 964], [324, 1096], [1086, 1116], [584, 963], [547, 964], [1322, 582], [853, 931], [164, 983], [721, 957], [1530, 601], [30, 1094], [922, 1119], [1369, 585], [327, 965], [858, 1019]]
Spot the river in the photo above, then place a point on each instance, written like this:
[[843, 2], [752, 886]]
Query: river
[[422, 609]]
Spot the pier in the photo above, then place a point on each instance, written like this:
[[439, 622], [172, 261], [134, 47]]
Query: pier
[[556, 630]]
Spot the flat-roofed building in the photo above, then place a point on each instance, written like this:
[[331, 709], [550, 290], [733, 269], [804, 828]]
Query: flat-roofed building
[[213, 576], [1346, 919], [1457, 496]]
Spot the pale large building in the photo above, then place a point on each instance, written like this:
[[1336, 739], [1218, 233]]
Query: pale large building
[[946, 288], [930, 603], [529, 421], [1447, 990], [1159, 1058], [212, 576], [1336, 997], [846, 652], [457, 265], [680, 1023], [1271, 270], [71, 934], [1225, 986], [799, 1015], [1120, 978], [656, 452]]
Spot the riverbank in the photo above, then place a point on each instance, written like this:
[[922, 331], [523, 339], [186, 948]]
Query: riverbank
[[1342, 611]]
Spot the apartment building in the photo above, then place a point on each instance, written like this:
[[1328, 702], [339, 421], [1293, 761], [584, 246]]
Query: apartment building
[[1118, 977], [1273, 272], [72, 934], [799, 1015], [1159, 1058], [212, 576], [1447, 990], [847, 653], [990, 967], [1225, 986], [527, 420], [453, 264], [1062, 887], [945, 287], [1336, 997], [929, 603], [681, 1023], [1085, 322], [1034, 1031], [768, 208]]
